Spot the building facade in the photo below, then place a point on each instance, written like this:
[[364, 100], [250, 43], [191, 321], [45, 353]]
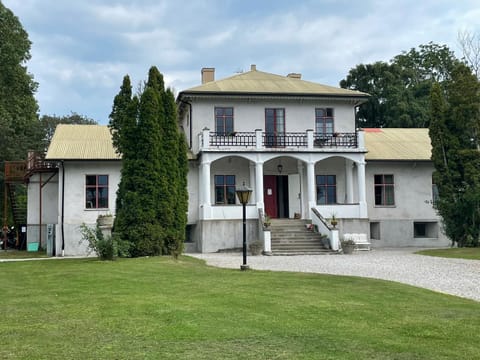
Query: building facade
[[294, 143]]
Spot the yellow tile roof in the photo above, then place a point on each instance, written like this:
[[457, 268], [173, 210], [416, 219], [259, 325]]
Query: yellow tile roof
[[259, 82], [81, 142], [397, 144]]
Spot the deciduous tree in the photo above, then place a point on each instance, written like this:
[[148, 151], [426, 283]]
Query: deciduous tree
[[455, 120]]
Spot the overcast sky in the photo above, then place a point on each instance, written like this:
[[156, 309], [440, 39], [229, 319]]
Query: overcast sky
[[82, 49]]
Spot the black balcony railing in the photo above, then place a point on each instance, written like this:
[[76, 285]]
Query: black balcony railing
[[285, 140], [282, 140], [233, 139], [335, 140]]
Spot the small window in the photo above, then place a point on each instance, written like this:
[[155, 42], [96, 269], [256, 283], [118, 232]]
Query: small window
[[326, 189], [423, 229], [375, 230], [224, 121], [96, 191], [384, 190], [224, 189]]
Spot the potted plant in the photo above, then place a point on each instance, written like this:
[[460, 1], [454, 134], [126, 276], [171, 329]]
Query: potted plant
[[348, 246], [267, 222], [334, 220], [105, 220]]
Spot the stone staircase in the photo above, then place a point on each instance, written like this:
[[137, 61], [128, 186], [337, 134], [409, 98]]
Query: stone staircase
[[291, 237]]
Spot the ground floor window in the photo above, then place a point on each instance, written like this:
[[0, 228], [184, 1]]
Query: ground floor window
[[96, 191], [384, 190], [326, 189], [425, 229], [375, 230], [224, 189]]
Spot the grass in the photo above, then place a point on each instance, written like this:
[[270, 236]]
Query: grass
[[16, 254], [159, 308], [461, 253]]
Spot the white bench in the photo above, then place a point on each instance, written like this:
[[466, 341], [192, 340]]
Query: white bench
[[360, 240]]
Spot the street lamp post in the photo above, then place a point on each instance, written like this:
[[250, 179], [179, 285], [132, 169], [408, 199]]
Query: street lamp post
[[243, 194]]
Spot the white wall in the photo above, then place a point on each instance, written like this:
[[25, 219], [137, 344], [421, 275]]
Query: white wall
[[250, 114], [49, 208], [75, 212], [413, 195]]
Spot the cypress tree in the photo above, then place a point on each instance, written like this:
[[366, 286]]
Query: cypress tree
[[152, 198]]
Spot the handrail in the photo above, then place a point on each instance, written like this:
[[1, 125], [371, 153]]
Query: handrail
[[322, 219]]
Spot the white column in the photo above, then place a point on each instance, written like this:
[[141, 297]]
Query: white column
[[302, 191], [310, 139], [258, 138], [205, 138], [253, 198], [259, 184], [205, 193], [349, 181], [362, 189], [311, 186]]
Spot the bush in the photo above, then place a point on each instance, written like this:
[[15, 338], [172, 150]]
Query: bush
[[105, 247]]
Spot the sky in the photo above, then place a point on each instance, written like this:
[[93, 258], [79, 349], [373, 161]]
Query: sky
[[81, 50]]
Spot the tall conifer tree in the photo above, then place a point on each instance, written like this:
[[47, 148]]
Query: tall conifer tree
[[153, 178]]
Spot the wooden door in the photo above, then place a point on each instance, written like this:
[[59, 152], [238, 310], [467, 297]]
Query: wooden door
[[270, 195]]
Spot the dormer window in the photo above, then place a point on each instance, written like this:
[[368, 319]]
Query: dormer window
[[223, 121]]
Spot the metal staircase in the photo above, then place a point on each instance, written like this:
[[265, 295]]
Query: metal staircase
[[292, 237]]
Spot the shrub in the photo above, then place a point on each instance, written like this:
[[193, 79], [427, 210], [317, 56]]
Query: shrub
[[105, 247]]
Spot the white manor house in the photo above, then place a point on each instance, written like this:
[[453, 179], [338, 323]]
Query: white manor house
[[295, 143]]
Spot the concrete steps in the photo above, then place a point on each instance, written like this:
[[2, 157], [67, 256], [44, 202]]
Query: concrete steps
[[291, 237]]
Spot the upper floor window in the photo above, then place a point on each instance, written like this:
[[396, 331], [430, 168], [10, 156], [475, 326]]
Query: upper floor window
[[326, 189], [96, 191], [384, 190], [224, 189], [224, 120], [324, 121], [275, 127]]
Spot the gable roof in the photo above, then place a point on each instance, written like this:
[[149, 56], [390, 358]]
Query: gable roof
[[256, 82], [398, 144], [81, 142]]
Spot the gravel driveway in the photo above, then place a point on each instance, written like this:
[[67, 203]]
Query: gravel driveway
[[451, 276]]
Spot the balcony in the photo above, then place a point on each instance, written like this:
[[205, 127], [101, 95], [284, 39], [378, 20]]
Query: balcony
[[290, 141]]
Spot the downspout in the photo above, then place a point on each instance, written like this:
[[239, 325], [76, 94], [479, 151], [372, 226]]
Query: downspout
[[63, 208], [190, 117]]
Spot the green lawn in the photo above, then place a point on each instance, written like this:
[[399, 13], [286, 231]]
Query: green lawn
[[15, 254], [158, 308], [461, 253]]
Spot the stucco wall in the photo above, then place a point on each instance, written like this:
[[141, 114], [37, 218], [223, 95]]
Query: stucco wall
[[214, 235], [413, 195], [75, 212], [250, 115], [48, 211]]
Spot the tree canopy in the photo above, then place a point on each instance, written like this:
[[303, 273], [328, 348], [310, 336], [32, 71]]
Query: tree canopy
[[49, 123], [20, 128], [152, 197], [454, 133], [400, 89]]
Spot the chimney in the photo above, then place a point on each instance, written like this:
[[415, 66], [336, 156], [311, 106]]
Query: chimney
[[253, 67], [295, 75], [208, 75]]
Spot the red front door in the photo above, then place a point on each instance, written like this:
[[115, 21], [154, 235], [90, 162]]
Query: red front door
[[270, 195]]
